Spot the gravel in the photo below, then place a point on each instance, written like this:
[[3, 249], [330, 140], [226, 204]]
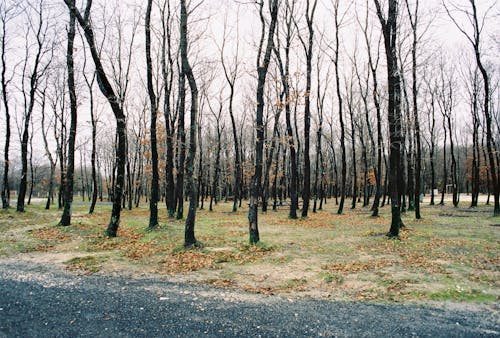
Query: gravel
[[43, 301]]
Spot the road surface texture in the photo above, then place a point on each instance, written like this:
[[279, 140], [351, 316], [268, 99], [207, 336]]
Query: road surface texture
[[44, 301]]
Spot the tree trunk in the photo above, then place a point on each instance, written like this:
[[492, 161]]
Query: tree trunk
[[28, 110], [306, 192], [341, 117], [189, 237], [181, 144], [5, 101], [155, 187], [445, 172], [262, 67], [284, 73], [107, 90], [70, 168], [389, 29]]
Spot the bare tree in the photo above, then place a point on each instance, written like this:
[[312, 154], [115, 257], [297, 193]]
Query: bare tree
[[262, 67], [431, 140], [308, 48], [474, 38], [39, 68], [231, 75], [167, 63], [414, 22], [446, 102], [285, 81], [155, 188], [373, 62], [189, 238], [389, 31], [319, 171], [48, 152], [68, 188], [7, 13], [219, 126], [338, 22], [113, 100]]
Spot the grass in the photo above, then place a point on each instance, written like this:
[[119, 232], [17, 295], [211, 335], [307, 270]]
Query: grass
[[449, 255]]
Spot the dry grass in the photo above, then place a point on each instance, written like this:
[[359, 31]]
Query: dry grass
[[452, 254]]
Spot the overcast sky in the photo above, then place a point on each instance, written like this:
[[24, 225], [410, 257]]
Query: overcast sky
[[206, 31]]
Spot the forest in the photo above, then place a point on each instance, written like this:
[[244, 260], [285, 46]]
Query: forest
[[249, 105]]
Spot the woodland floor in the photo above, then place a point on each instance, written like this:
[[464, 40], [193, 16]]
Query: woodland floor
[[451, 255]]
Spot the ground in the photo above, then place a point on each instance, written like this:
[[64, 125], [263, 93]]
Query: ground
[[339, 273], [449, 255], [40, 300]]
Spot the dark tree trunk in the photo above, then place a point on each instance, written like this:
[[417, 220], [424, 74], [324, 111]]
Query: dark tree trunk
[[445, 167], [189, 238], [155, 186], [410, 186], [5, 101], [341, 117], [32, 169], [269, 158], [389, 29], [364, 97], [350, 105], [319, 170], [275, 177], [262, 67], [52, 162], [70, 168], [129, 176], [306, 191], [453, 164], [181, 144], [476, 155], [167, 73], [335, 177], [285, 72], [93, 156], [418, 150], [231, 75], [217, 169], [113, 100], [432, 126], [34, 80], [364, 156], [373, 65], [490, 142]]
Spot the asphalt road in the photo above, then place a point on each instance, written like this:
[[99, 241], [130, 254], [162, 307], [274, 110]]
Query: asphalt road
[[43, 301]]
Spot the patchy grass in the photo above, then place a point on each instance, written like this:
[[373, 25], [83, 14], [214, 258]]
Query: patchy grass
[[449, 255], [87, 264]]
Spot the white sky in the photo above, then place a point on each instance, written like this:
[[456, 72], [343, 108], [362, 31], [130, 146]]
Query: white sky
[[207, 24]]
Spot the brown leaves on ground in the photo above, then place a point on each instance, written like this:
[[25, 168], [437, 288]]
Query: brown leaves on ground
[[88, 264], [193, 260], [130, 244], [50, 234], [350, 267]]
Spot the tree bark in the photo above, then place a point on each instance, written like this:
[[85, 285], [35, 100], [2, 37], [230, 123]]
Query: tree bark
[[108, 92], [70, 168], [340, 107], [189, 237], [34, 81], [155, 186], [306, 191], [5, 101], [284, 73], [262, 67], [389, 29]]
